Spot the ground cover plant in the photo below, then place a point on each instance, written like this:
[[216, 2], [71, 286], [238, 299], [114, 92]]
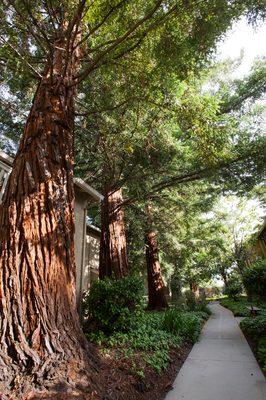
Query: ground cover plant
[[239, 306], [151, 337], [139, 338], [253, 327], [255, 331]]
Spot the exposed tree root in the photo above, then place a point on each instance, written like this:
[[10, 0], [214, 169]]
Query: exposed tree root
[[56, 378]]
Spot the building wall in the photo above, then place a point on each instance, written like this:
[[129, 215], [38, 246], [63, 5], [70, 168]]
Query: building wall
[[92, 258], [81, 200], [258, 248], [260, 245], [87, 246]]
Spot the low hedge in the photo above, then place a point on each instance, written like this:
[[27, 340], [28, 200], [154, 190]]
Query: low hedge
[[238, 306], [255, 328]]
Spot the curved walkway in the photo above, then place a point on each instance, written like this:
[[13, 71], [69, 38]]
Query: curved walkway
[[221, 366]]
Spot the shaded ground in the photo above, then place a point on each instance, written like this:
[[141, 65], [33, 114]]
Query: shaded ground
[[119, 382]]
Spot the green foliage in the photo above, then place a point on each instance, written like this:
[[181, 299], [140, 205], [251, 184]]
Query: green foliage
[[151, 336], [195, 304], [187, 325], [238, 306], [233, 287], [252, 87], [190, 300], [109, 303], [255, 279], [146, 337], [254, 326], [262, 352]]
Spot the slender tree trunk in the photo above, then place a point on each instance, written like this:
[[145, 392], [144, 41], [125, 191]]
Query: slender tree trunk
[[176, 286], [156, 287], [194, 288], [113, 246], [41, 337]]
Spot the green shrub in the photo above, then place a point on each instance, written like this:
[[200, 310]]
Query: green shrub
[[110, 303], [262, 352], [147, 336], [233, 287], [254, 326], [190, 300], [194, 304], [237, 306], [202, 314], [255, 279], [187, 325], [201, 306]]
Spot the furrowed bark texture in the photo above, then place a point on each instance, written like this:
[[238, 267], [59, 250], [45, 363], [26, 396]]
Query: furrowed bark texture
[[156, 287], [40, 335], [113, 246]]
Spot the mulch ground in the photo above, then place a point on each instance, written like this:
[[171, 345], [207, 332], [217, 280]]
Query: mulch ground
[[121, 384], [117, 381]]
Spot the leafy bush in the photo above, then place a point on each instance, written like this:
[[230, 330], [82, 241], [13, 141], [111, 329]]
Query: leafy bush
[[190, 300], [147, 337], [187, 325], [262, 352], [201, 306], [237, 306], [151, 337], [254, 326], [194, 304], [255, 279], [233, 288], [110, 303], [203, 314]]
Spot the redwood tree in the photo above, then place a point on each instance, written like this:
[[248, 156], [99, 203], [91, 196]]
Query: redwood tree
[[60, 44], [41, 335], [156, 288], [113, 245]]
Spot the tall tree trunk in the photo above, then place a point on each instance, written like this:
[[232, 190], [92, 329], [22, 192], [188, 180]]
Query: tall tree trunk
[[176, 286], [41, 337], [156, 287], [194, 288], [113, 246]]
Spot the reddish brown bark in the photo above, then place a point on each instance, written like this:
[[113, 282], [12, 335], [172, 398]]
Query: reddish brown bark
[[156, 287], [194, 288], [41, 337], [113, 246]]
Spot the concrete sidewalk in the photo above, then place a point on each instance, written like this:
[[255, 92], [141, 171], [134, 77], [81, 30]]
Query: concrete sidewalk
[[221, 366]]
